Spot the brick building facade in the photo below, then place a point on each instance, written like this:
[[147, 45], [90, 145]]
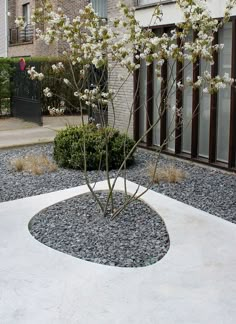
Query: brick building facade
[[22, 42]]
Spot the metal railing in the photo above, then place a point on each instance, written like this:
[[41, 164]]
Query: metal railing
[[21, 35]]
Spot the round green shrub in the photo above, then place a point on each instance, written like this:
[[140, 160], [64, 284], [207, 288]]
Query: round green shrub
[[74, 143]]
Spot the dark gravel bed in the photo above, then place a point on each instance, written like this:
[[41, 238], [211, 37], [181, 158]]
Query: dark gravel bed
[[213, 191], [136, 238]]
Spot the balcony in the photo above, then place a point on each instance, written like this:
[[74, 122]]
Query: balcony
[[20, 36]]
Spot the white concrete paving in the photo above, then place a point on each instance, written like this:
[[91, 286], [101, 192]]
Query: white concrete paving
[[194, 283], [14, 132]]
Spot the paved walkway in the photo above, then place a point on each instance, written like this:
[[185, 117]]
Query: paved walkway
[[15, 132], [194, 283]]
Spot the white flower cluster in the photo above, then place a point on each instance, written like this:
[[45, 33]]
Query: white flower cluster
[[123, 42], [210, 84], [95, 98], [67, 82], [56, 111], [59, 67], [229, 6], [198, 20], [20, 22], [177, 111], [47, 92], [216, 83], [34, 75]]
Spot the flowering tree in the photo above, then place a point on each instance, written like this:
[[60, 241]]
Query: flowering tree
[[122, 42]]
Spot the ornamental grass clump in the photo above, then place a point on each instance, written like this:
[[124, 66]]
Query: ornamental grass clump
[[35, 164], [168, 173], [92, 147]]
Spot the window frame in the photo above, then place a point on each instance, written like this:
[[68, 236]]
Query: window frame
[[26, 13]]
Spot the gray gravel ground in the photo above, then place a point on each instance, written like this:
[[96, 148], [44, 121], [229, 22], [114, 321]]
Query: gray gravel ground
[[213, 191], [136, 238]]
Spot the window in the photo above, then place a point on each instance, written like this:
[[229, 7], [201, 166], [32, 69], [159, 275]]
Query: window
[[147, 2], [144, 2], [100, 7], [26, 13]]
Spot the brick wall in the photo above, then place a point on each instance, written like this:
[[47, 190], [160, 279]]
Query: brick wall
[[71, 9], [124, 100], [12, 10], [37, 48]]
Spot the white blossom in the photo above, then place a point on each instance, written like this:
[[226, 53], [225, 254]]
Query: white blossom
[[47, 92], [188, 79], [89, 42], [180, 85], [66, 81], [34, 75], [20, 21], [40, 76]]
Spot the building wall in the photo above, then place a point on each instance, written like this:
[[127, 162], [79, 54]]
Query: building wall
[[207, 131], [172, 13], [37, 47], [3, 28], [124, 100], [34, 47], [12, 11], [71, 9], [16, 10]]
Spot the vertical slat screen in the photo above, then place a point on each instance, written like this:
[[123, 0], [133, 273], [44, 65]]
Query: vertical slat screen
[[232, 136], [213, 107], [179, 105], [156, 107], [195, 109], [143, 99], [223, 111], [163, 105], [149, 115], [206, 127], [187, 107], [204, 115], [157, 93], [171, 103], [136, 103]]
